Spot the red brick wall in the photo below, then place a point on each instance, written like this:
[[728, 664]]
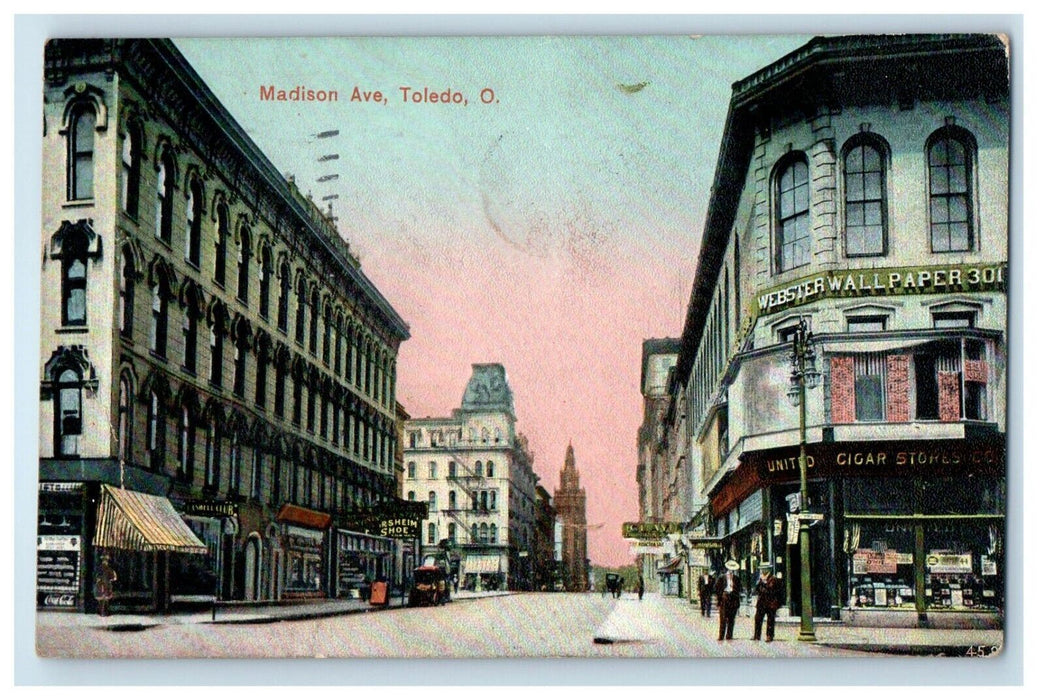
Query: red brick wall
[[976, 371], [950, 396], [843, 390], [898, 388]]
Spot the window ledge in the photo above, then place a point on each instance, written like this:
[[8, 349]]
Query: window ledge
[[78, 203], [194, 265], [157, 356], [71, 329]]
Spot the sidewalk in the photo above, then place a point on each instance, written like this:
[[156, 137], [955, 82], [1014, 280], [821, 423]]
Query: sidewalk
[[678, 623], [239, 613]]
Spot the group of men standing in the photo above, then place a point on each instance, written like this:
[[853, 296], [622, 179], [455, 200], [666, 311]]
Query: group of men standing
[[726, 592]]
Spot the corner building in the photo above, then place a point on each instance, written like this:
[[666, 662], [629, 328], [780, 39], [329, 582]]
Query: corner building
[[217, 373], [476, 474], [861, 187]]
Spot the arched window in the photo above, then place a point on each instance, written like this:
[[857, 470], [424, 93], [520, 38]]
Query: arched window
[[156, 432], [337, 344], [451, 532], [484, 533], [475, 533], [313, 329], [213, 465], [865, 206], [484, 503], [257, 466], [453, 500], [158, 328], [411, 496], [453, 469], [950, 158], [489, 469], [493, 534], [127, 294], [792, 215], [186, 445], [264, 281], [261, 376], [217, 352], [164, 197], [296, 410], [431, 533], [243, 266], [74, 281], [475, 500], [131, 173], [283, 305], [221, 242], [125, 420], [431, 502], [299, 320], [80, 177], [68, 413], [239, 367], [193, 222], [493, 500], [235, 463], [190, 332], [411, 470], [279, 397]]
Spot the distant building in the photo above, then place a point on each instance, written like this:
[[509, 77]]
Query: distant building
[[476, 474], [570, 507], [218, 374], [544, 542], [658, 475]]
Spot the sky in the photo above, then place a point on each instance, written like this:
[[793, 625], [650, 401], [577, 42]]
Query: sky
[[552, 228]]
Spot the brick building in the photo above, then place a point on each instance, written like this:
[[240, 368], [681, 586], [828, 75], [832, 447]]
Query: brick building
[[217, 372], [861, 187]]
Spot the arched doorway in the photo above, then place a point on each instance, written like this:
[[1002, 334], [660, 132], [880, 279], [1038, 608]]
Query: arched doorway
[[252, 568]]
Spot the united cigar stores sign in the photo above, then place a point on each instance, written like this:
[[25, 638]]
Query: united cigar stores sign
[[892, 458]]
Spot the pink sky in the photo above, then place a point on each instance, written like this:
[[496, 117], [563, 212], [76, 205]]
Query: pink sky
[[551, 231]]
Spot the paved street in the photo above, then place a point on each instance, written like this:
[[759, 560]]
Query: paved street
[[532, 624]]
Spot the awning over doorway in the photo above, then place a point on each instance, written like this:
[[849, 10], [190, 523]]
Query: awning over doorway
[[671, 567], [482, 564], [291, 513], [143, 523]]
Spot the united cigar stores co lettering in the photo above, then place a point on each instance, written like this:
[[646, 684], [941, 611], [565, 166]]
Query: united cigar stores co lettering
[[898, 458]]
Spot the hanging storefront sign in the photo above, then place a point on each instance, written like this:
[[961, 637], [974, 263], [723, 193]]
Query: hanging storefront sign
[[211, 509], [650, 531], [396, 518]]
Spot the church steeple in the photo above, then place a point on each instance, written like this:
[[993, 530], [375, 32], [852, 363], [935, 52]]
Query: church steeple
[[569, 478]]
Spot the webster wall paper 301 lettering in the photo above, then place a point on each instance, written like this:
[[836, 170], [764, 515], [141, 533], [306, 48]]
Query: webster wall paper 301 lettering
[[563, 346]]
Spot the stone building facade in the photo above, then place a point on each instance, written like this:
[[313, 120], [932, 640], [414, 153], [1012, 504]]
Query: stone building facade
[[571, 509], [476, 474], [861, 188], [210, 348]]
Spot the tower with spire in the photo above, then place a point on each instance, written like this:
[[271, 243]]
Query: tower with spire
[[570, 505]]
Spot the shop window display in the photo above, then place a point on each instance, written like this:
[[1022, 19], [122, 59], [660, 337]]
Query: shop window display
[[881, 564], [963, 566]]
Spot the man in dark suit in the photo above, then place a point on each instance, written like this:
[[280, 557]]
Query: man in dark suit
[[706, 589], [727, 591], [768, 591]]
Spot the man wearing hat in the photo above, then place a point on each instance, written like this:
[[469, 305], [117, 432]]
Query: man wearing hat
[[768, 591], [727, 590]]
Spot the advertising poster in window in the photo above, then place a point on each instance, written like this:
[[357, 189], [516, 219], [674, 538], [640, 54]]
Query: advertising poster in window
[[325, 315]]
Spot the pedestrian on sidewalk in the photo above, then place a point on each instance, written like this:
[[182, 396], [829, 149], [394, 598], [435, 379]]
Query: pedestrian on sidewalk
[[727, 590], [705, 589], [103, 585], [768, 591], [642, 586]]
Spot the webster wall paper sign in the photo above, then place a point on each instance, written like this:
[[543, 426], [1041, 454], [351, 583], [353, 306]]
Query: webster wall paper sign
[[463, 325], [932, 279]]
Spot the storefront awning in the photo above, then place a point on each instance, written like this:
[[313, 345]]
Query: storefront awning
[[290, 513], [671, 567], [482, 564], [851, 347], [143, 523]]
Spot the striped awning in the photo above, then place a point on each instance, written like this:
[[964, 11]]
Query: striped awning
[[482, 564], [671, 567], [143, 523]]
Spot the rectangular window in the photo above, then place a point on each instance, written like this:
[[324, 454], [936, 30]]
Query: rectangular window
[[432, 470], [865, 324], [954, 319]]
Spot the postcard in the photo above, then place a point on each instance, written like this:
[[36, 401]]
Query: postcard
[[551, 346]]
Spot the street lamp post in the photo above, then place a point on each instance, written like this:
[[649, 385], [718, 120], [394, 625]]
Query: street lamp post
[[803, 374]]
